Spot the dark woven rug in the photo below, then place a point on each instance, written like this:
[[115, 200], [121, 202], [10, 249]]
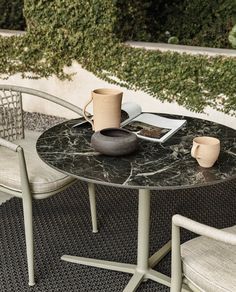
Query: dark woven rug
[[62, 226]]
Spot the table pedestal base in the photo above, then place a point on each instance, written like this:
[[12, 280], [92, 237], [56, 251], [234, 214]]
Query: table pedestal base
[[138, 275], [143, 270]]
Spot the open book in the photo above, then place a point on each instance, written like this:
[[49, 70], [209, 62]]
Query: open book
[[147, 126]]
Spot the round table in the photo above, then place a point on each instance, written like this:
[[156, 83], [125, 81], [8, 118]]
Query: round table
[[153, 166]]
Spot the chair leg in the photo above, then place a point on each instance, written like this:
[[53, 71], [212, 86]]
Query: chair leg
[[92, 200], [28, 222], [176, 265], [28, 214]]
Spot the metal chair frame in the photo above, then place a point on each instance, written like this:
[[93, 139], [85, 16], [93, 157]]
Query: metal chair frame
[[12, 128], [178, 281]]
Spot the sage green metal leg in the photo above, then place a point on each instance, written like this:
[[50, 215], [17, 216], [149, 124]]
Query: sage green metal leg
[[28, 222], [160, 254], [109, 265], [92, 200], [158, 277], [176, 268], [28, 215], [134, 282], [143, 229], [142, 270]]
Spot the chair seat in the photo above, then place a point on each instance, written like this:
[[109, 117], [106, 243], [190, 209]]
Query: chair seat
[[209, 264], [43, 179]]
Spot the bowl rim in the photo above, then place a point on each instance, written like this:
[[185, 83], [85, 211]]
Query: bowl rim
[[115, 130]]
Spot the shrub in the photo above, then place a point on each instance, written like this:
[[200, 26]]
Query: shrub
[[11, 14], [196, 23]]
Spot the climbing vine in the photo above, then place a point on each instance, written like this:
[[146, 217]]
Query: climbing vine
[[60, 31]]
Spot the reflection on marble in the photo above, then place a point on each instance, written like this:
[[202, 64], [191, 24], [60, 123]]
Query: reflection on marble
[[153, 165]]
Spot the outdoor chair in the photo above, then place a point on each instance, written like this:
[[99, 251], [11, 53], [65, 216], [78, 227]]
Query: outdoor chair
[[205, 263], [22, 173]]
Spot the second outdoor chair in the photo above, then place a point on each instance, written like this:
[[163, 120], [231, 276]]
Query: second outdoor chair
[[206, 263]]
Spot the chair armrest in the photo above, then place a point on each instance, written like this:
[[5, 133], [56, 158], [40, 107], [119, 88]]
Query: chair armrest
[[44, 95], [8, 144], [202, 229]]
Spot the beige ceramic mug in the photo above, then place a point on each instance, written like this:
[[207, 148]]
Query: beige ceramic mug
[[206, 150], [106, 108]]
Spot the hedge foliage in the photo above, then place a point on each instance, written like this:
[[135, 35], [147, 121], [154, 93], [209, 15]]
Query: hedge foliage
[[196, 23], [11, 14], [62, 31]]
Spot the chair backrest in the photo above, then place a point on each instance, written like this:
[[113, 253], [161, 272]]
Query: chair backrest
[[11, 115], [11, 112]]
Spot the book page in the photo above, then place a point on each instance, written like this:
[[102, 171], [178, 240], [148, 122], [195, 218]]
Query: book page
[[154, 127], [129, 111]]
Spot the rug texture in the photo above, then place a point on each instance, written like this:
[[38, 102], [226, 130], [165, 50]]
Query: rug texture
[[62, 225]]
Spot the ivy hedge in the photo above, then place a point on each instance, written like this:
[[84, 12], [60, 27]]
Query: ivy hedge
[[62, 31]]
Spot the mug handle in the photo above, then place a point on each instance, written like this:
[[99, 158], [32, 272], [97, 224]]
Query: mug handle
[[194, 151], [85, 113]]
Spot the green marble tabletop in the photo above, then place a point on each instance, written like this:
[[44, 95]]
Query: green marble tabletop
[[153, 165]]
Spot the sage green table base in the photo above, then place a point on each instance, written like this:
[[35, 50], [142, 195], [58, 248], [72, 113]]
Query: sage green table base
[[143, 270], [138, 275], [93, 210]]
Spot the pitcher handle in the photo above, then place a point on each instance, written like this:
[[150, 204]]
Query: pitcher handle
[[85, 113], [194, 151]]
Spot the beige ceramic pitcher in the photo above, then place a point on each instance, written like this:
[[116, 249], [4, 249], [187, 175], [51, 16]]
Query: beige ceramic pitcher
[[106, 108]]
